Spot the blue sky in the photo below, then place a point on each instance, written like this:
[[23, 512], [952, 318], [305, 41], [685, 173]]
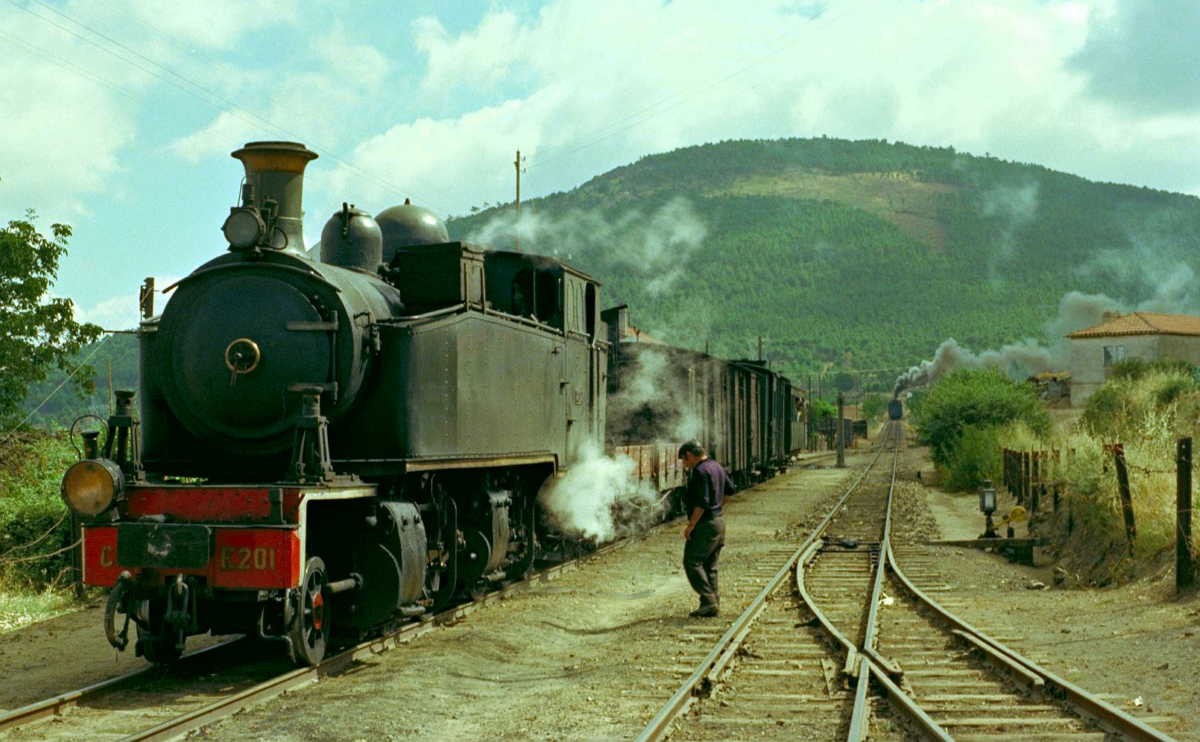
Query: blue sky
[[118, 116]]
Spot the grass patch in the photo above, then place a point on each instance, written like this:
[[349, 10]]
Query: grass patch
[[32, 521], [22, 608], [1146, 408]]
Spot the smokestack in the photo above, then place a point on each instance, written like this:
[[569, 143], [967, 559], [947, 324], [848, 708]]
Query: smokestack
[[275, 172]]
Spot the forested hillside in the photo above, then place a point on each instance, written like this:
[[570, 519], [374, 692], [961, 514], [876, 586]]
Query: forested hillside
[[856, 255], [844, 256]]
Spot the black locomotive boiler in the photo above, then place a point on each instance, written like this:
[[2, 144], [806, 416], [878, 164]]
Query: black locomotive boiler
[[336, 443]]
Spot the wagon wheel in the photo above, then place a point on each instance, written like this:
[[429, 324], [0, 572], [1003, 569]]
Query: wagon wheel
[[309, 632]]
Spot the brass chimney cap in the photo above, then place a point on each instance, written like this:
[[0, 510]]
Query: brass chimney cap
[[288, 157]]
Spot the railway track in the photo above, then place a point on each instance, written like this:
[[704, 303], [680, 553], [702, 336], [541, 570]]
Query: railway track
[[854, 649], [787, 673], [207, 685]]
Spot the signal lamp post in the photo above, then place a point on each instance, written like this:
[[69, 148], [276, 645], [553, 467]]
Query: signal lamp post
[[987, 506]]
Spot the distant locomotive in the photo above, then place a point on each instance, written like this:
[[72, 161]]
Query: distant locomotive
[[342, 442], [895, 409]]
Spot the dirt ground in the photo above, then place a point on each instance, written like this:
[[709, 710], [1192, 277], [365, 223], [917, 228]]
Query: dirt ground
[[593, 654], [1138, 643], [62, 654]]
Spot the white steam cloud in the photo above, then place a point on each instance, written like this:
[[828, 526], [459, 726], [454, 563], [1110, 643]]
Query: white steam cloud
[[599, 498], [1014, 207], [654, 245], [1153, 266], [1076, 311]]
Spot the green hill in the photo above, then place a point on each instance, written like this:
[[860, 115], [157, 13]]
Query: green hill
[[858, 256]]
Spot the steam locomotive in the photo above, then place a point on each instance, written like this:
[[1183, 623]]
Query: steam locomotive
[[338, 442]]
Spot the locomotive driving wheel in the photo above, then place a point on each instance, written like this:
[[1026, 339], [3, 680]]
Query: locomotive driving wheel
[[309, 632]]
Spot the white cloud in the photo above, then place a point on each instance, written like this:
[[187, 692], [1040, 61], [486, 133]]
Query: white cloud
[[486, 54], [606, 83], [213, 24], [310, 102], [49, 84], [72, 82]]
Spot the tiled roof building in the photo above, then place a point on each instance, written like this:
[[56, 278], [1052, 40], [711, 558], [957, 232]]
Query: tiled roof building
[[1145, 335], [1142, 323]]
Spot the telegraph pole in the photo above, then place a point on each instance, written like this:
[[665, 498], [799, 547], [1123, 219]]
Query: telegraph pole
[[841, 432], [517, 167]]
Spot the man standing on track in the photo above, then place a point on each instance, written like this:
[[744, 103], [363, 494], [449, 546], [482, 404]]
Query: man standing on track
[[704, 536]]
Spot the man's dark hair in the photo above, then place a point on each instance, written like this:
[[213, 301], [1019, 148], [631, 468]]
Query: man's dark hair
[[692, 447]]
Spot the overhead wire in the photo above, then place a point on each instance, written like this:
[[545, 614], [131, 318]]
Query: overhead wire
[[189, 86], [660, 106], [57, 389], [59, 61]]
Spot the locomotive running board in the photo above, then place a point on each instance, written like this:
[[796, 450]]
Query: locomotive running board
[[458, 462]]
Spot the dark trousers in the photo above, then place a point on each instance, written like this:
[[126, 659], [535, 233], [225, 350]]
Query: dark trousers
[[700, 554]]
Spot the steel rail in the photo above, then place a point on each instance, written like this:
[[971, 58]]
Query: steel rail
[[1107, 716], [52, 706], [33, 712], [301, 676], [710, 668], [871, 631], [881, 668], [864, 664], [294, 679], [876, 665]]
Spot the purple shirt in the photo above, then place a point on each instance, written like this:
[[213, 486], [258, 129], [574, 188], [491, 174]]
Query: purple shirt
[[706, 488]]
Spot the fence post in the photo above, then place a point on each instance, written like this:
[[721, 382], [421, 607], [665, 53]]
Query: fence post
[[1020, 465], [1118, 452], [1027, 479], [1035, 481], [1185, 577]]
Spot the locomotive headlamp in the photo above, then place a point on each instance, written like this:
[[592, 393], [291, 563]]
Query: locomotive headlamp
[[91, 486], [244, 227]]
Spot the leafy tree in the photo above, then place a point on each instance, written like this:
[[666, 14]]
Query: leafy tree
[[974, 398], [38, 332], [874, 404]]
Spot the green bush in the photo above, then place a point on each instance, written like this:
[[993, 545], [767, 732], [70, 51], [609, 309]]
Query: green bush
[[32, 521], [819, 409], [974, 398], [873, 405], [1119, 409], [1136, 368], [975, 458]]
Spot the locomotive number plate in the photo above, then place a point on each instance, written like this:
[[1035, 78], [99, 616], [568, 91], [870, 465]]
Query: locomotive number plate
[[163, 545], [245, 557]]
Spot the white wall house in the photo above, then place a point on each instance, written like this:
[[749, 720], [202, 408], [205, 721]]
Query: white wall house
[[1144, 335]]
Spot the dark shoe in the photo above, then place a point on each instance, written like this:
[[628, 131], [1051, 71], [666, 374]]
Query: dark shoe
[[705, 611]]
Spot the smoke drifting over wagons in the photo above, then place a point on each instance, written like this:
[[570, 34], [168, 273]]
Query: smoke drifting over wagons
[[327, 445]]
